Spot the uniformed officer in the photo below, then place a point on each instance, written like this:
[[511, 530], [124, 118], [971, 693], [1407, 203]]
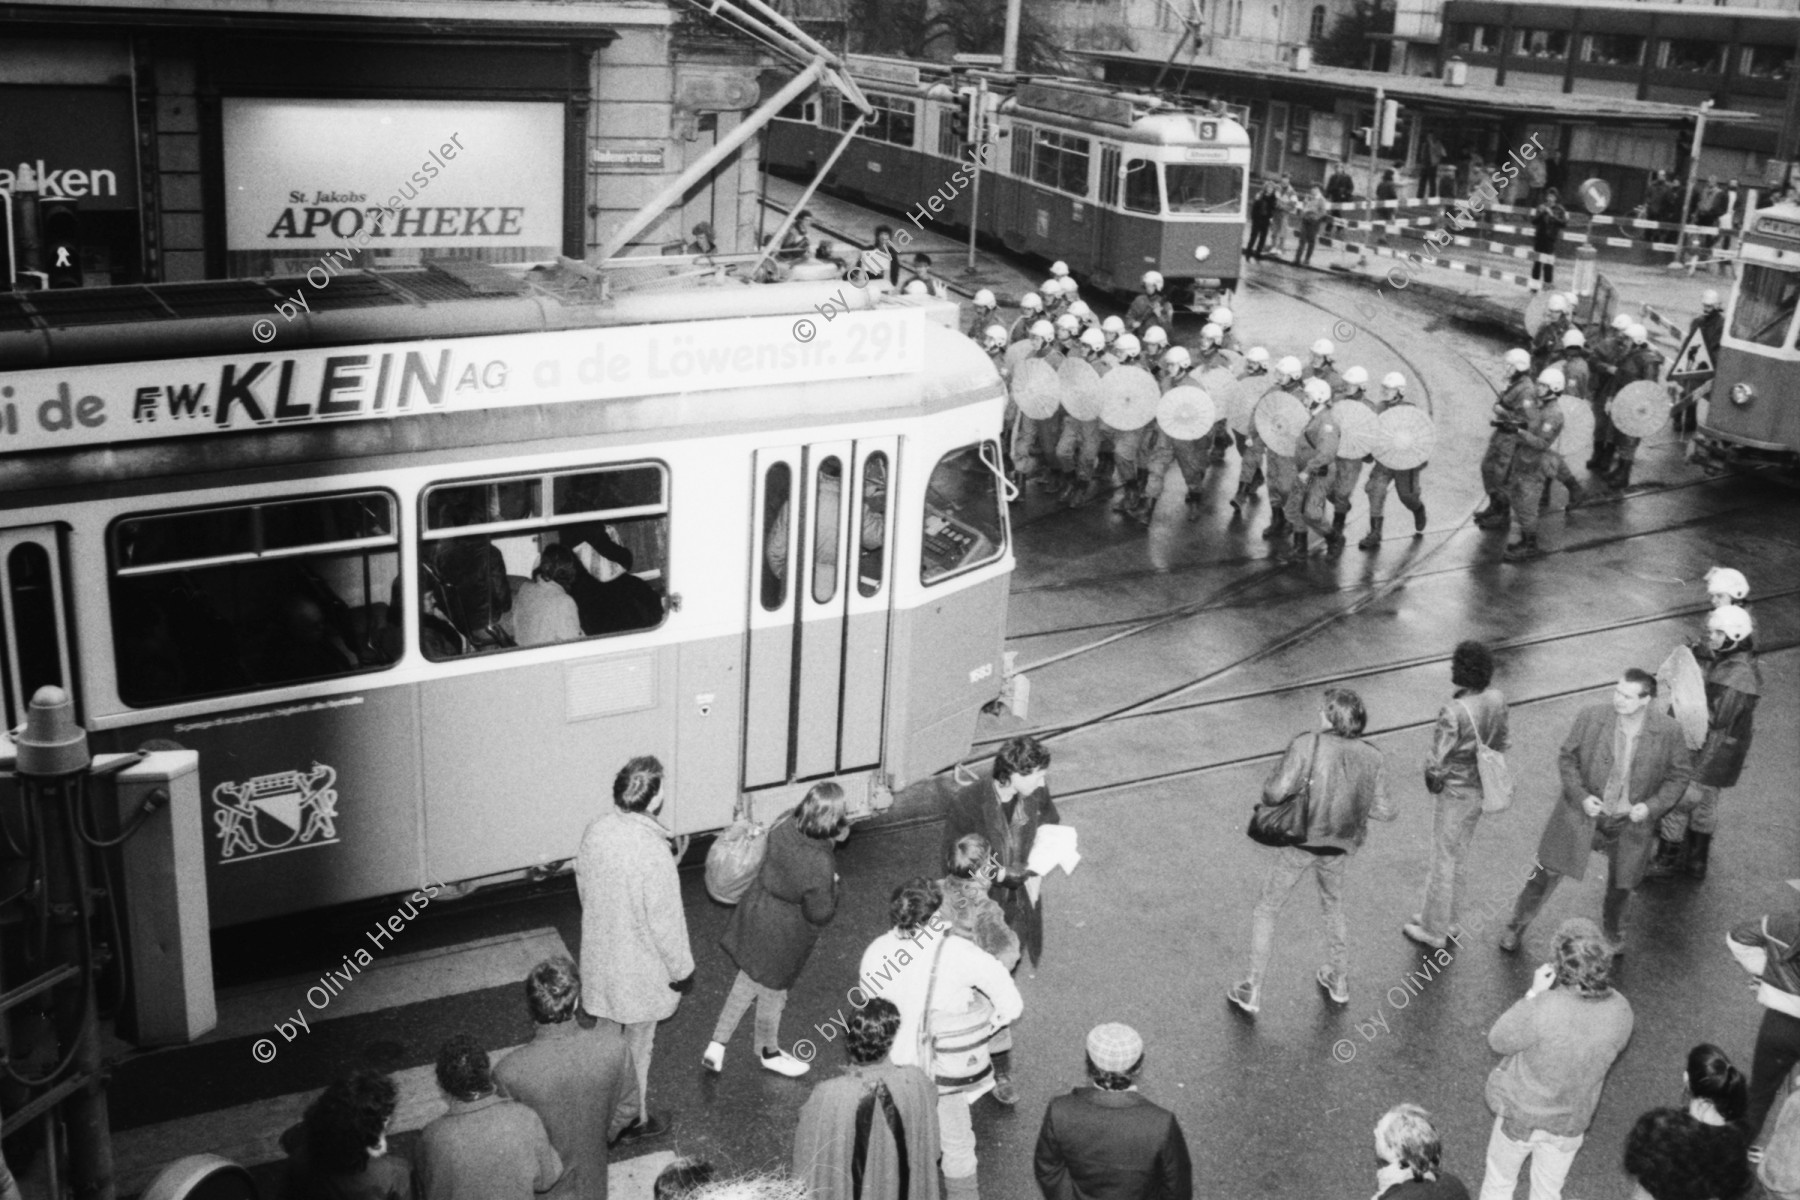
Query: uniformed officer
[[1078, 449], [1314, 457], [1324, 366], [1278, 467], [1209, 355], [1080, 310], [1056, 301], [1538, 423], [1250, 461], [1548, 342], [1221, 316], [1608, 353], [1577, 382], [1346, 473], [1131, 447], [985, 308], [1068, 331], [1406, 483], [993, 342], [1156, 342], [1112, 327], [1177, 366], [1031, 309], [1496, 463], [1643, 362], [1034, 438], [1710, 326], [1727, 585], [1151, 307]]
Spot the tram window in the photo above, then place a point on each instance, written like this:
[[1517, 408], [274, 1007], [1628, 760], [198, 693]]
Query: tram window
[[872, 531], [892, 121], [1023, 138], [1141, 194], [252, 596], [1765, 305], [1198, 189], [964, 527], [777, 488], [31, 599], [1061, 161], [1109, 175], [497, 570], [828, 502]]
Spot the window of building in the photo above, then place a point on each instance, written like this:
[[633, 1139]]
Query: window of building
[[534, 560], [1612, 49], [894, 120], [1767, 62], [219, 600], [1683, 55], [1541, 43], [1477, 39], [1237, 18], [1060, 160], [964, 525], [1141, 194], [1209, 189], [1766, 301], [1315, 28], [1299, 128]]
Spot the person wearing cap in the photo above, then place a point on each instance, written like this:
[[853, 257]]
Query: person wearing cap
[[1643, 362], [1031, 309], [1188, 452], [1315, 457], [1548, 343], [1405, 483], [1150, 307], [1409, 1154], [1733, 684], [1559, 1042], [1346, 473], [1540, 423], [1078, 449], [1106, 1141], [985, 308], [1034, 438], [1283, 475], [1496, 461]]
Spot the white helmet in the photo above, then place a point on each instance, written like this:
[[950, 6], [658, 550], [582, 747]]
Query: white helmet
[[1031, 302], [1622, 322], [1211, 333], [1638, 334], [1156, 335], [1153, 281], [1323, 348], [1220, 316], [1731, 621], [1290, 367], [1709, 298], [1517, 360], [1552, 378], [1394, 381], [985, 299], [1177, 357], [1128, 346], [1093, 339], [1080, 309], [1558, 303], [1113, 326], [1571, 299], [1068, 323], [1727, 581], [1356, 377], [1060, 269], [995, 337], [1257, 354], [1051, 286], [1317, 391], [1574, 337], [1043, 329]]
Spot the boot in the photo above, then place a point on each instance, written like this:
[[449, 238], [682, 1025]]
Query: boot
[[1127, 501], [1145, 511], [1193, 506], [1372, 539], [1577, 494], [1671, 858], [1419, 520], [1602, 459], [1334, 543], [1523, 550], [1496, 515], [1699, 848], [1619, 478], [1338, 520], [1278, 525], [1299, 543]]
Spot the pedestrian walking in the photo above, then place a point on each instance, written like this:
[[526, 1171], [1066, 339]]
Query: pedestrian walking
[[1474, 717], [1263, 211], [1670, 1155], [1342, 781], [772, 930], [579, 1082], [1643, 361], [1733, 686], [485, 1147], [1078, 449], [635, 957], [1166, 449], [1405, 482], [932, 978], [1539, 424], [1315, 456], [1496, 461], [339, 1149], [1409, 1157], [1346, 473], [1547, 221], [1283, 474], [1249, 445], [1623, 766], [1769, 949], [871, 1131], [1106, 1141], [1034, 438], [1313, 213], [1560, 1040], [1578, 382]]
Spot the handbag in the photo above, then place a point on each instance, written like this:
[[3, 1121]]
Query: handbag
[[1496, 776], [1284, 824], [735, 857], [953, 1047]]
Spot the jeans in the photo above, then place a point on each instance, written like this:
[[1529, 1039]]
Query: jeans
[[769, 1003], [1453, 827], [1697, 810], [1551, 1157], [1291, 863], [956, 1135], [1777, 1050]]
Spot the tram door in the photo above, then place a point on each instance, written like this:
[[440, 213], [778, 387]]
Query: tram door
[[34, 633], [820, 591]]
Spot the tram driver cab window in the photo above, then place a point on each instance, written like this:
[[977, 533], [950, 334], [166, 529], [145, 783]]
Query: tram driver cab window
[[1765, 305], [1141, 192], [965, 525], [1204, 189]]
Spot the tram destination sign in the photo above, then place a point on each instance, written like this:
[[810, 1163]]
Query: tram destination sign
[[60, 408]]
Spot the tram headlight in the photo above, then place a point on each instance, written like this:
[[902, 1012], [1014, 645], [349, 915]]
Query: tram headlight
[[1202, 253], [1741, 394]]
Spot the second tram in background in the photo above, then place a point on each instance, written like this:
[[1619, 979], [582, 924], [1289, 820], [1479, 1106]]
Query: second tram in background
[[1754, 413], [1113, 183]]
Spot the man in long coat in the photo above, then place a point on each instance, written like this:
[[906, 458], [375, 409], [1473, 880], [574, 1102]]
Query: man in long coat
[[1623, 767], [635, 956]]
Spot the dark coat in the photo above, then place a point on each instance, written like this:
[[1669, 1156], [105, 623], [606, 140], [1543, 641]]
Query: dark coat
[[1262, 209], [1733, 683], [486, 1149], [384, 1178], [794, 895], [975, 808], [1547, 225], [581, 1084], [1660, 770], [1101, 1145]]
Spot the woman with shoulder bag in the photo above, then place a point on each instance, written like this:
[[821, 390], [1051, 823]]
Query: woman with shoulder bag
[[774, 926], [1342, 781], [1474, 717]]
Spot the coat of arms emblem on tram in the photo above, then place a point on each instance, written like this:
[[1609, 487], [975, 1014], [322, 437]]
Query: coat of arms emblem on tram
[[285, 810]]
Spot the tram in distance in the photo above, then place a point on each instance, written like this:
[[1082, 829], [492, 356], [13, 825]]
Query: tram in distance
[[415, 600], [1754, 410], [1113, 183]]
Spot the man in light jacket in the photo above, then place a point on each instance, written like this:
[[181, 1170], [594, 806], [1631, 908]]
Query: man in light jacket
[[635, 956], [1623, 767]]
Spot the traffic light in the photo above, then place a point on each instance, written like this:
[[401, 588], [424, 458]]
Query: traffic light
[[965, 118], [60, 223], [1390, 121]]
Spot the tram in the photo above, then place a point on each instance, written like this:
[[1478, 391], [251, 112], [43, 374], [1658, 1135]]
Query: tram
[[416, 582], [1113, 183], [1754, 411]]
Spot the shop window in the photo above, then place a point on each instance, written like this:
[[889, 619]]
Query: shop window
[[1141, 193], [1315, 28], [1766, 301], [872, 526], [1198, 189], [1060, 161], [777, 537], [1541, 43], [964, 521], [1767, 62], [541, 559], [1612, 50], [232, 599], [1693, 56]]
